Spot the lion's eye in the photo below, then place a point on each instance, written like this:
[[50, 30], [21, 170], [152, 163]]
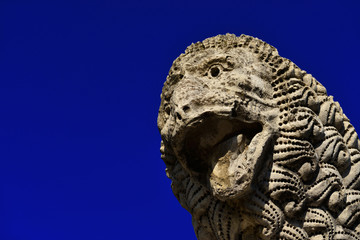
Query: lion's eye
[[215, 70]]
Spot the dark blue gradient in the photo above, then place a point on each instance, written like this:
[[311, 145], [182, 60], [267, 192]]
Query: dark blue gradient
[[80, 85]]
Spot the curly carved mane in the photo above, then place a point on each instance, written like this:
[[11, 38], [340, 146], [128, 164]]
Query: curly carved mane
[[309, 186]]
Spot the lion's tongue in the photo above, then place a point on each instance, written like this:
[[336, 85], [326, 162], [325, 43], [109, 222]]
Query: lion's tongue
[[228, 158], [233, 146]]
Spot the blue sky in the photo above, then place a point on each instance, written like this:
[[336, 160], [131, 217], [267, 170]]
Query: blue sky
[[79, 89]]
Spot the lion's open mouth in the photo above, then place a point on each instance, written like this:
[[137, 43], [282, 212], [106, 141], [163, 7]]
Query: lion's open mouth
[[215, 138]]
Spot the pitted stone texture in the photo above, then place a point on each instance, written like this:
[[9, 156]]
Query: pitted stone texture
[[255, 147]]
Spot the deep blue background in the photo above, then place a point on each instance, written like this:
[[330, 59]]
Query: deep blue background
[[79, 94]]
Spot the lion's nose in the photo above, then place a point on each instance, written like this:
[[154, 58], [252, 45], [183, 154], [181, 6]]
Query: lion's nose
[[181, 113]]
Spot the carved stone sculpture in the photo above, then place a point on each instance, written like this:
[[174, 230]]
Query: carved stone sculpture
[[255, 147]]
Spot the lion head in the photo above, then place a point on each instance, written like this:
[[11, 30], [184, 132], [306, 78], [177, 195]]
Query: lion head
[[255, 147]]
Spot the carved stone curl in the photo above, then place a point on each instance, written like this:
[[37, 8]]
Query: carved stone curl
[[255, 147]]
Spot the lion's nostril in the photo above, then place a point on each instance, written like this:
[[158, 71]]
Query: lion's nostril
[[178, 116], [186, 108]]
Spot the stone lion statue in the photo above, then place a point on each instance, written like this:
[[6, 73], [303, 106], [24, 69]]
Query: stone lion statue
[[255, 147]]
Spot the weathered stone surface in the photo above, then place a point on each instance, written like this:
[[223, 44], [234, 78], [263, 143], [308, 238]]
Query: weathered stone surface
[[255, 147]]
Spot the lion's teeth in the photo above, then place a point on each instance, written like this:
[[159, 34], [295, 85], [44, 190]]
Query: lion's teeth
[[242, 142]]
